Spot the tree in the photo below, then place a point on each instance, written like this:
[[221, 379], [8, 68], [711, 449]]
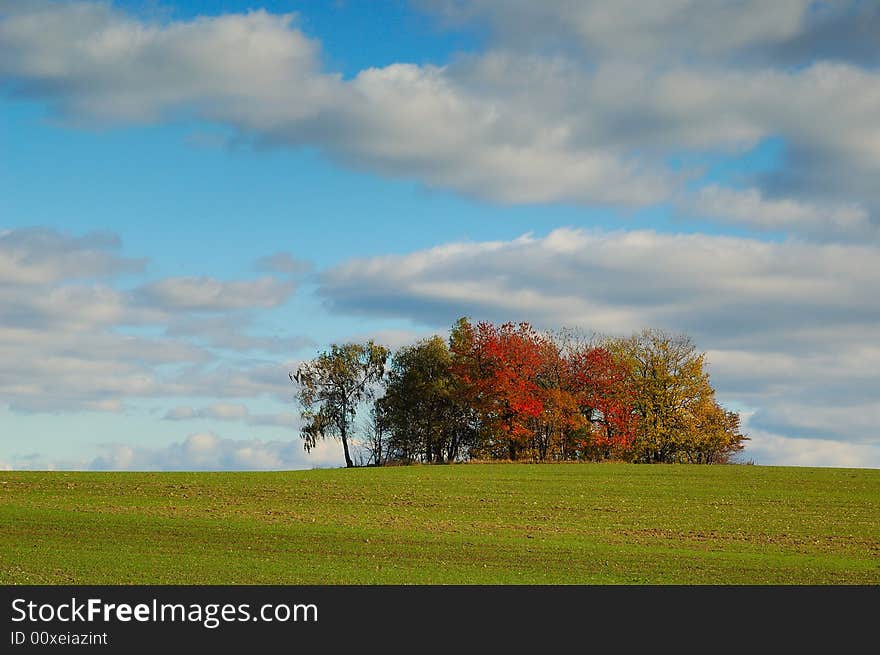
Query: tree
[[422, 410], [602, 388], [498, 367], [373, 446], [679, 419], [715, 435], [511, 392], [332, 387]]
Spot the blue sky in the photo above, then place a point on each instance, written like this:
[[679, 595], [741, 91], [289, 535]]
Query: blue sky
[[691, 168]]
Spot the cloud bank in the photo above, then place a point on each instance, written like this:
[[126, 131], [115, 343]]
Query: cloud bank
[[72, 338], [590, 109], [205, 451], [199, 451], [232, 412]]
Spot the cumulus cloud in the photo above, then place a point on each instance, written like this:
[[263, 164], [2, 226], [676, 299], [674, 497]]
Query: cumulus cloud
[[753, 30], [205, 451], [54, 292], [593, 124], [485, 141], [97, 63], [805, 420], [71, 307], [229, 379], [65, 337], [233, 331], [392, 339], [233, 412], [258, 73], [200, 451], [209, 294], [750, 208], [34, 256], [790, 327], [769, 448], [620, 281]]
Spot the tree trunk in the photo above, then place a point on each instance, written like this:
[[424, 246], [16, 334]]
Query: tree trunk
[[348, 462]]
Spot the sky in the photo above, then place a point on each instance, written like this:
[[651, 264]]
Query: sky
[[197, 196]]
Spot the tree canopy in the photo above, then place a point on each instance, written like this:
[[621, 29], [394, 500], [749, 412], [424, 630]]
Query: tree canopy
[[512, 392], [332, 387]]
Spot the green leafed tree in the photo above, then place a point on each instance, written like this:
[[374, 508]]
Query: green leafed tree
[[331, 388], [421, 410]]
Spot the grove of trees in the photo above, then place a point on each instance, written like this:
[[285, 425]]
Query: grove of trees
[[511, 392]]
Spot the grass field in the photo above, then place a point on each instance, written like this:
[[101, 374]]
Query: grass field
[[493, 523]]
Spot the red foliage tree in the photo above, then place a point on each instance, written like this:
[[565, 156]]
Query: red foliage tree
[[536, 397], [499, 366], [602, 385]]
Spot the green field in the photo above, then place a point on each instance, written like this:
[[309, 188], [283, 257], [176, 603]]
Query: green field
[[492, 523]]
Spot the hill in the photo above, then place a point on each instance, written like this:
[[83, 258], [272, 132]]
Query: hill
[[475, 523]]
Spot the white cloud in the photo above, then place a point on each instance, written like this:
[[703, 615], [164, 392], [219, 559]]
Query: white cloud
[[77, 307], [113, 405], [33, 256], [494, 146], [750, 208], [233, 412], [229, 331], [60, 369], [823, 421], [843, 359], [392, 339], [200, 451], [228, 411], [773, 449], [620, 281], [209, 294], [64, 326], [279, 419], [205, 451], [513, 124], [673, 29], [116, 67]]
